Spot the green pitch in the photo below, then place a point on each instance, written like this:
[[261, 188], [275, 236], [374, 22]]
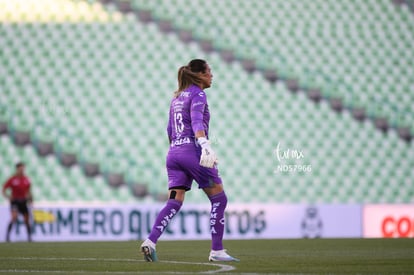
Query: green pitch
[[326, 256]]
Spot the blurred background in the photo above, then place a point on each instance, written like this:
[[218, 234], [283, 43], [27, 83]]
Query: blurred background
[[312, 101]]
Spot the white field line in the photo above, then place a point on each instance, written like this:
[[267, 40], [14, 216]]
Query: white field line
[[222, 267]]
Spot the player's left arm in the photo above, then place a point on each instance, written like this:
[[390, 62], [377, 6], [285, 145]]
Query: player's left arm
[[169, 132], [6, 186], [29, 196], [198, 104], [169, 127]]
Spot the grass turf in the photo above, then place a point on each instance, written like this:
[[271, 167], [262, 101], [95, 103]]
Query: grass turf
[[320, 256]]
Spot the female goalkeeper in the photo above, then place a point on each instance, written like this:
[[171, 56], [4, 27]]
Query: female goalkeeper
[[191, 157]]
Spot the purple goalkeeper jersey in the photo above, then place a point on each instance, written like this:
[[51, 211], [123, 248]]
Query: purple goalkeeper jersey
[[188, 114]]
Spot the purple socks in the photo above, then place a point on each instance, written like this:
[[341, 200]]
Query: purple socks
[[218, 205], [164, 218]]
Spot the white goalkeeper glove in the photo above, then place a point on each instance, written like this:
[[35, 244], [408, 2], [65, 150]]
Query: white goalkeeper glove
[[208, 156]]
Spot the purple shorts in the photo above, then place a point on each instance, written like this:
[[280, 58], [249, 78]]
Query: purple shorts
[[183, 167]]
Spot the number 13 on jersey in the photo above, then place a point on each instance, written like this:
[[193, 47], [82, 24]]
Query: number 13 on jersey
[[178, 123]]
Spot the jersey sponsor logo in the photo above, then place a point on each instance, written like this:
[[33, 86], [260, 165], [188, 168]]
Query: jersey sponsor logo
[[181, 141], [185, 94], [178, 109], [198, 103], [178, 103], [178, 106]]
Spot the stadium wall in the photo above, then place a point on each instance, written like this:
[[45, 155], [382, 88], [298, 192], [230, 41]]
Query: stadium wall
[[244, 221], [132, 222]]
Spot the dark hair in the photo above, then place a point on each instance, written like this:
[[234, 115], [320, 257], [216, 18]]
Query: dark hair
[[19, 164], [189, 74], [197, 65]]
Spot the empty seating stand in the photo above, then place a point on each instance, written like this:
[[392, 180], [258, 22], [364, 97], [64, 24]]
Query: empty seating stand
[[98, 87]]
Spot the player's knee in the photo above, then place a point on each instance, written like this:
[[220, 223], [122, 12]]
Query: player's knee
[[216, 188], [14, 216], [173, 195], [177, 194]]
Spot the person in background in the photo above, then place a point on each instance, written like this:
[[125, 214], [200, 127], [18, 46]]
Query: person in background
[[19, 197]]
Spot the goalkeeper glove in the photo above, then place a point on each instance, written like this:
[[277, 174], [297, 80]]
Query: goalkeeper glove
[[208, 156]]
